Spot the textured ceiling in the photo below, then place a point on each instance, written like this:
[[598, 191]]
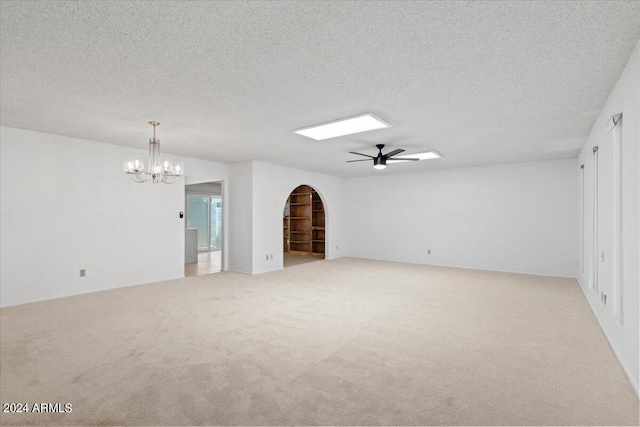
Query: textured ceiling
[[481, 82]]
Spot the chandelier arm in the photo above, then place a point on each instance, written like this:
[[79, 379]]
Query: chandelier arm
[[168, 181], [141, 176]]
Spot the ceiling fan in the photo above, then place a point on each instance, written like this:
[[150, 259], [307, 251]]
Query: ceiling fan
[[380, 161]]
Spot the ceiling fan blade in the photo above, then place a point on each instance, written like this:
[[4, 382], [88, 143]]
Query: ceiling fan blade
[[402, 159], [362, 160], [360, 154], [394, 152]]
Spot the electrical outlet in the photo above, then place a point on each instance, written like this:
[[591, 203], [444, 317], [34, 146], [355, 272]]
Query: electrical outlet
[[83, 272], [429, 251], [266, 257]]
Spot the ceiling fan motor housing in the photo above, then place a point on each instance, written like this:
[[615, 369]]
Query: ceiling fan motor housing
[[380, 160]]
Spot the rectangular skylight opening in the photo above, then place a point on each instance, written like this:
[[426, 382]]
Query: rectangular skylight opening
[[341, 127]]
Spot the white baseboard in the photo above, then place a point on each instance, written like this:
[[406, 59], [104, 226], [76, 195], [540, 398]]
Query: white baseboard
[[235, 270], [530, 273], [73, 294]]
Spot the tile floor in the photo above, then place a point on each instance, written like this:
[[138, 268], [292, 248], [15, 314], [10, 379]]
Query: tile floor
[[208, 262]]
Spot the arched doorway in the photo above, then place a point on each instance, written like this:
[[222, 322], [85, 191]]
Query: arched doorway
[[303, 226]]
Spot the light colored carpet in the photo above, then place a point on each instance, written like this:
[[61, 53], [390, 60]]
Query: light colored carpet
[[338, 342]]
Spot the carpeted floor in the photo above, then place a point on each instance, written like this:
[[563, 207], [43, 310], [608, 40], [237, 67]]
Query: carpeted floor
[[331, 342]]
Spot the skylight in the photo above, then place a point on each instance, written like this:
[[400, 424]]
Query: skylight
[[341, 127]]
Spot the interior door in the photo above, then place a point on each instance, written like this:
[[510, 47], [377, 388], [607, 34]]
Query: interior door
[[605, 221]]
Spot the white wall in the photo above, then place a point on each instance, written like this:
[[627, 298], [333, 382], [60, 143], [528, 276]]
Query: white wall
[[239, 221], [512, 217], [271, 186], [67, 205], [625, 99]]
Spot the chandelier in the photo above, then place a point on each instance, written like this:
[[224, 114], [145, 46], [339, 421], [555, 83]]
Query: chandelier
[[158, 168]]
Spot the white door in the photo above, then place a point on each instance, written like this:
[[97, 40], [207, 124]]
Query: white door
[[605, 221]]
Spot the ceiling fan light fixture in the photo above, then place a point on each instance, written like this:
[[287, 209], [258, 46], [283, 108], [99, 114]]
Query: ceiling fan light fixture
[[379, 163], [341, 127]]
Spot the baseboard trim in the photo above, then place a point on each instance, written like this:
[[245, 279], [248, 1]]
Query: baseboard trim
[[622, 363], [529, 273], [235, 270], [75, 294]]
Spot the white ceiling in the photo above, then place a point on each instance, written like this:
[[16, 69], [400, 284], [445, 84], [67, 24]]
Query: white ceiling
[[481, 82]]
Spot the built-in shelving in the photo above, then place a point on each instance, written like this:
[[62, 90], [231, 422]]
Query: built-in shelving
[[304, 222]]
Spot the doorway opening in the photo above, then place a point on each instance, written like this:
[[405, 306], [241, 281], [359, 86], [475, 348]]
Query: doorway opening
[[303, 227], [203, 233]]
